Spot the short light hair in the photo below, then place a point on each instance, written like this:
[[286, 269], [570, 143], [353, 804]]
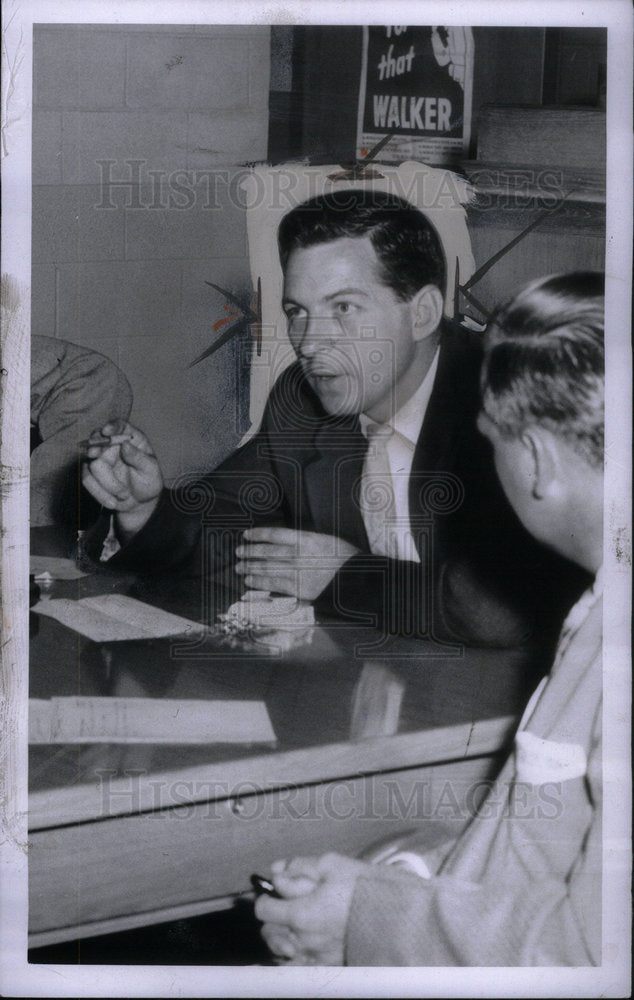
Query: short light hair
[[544, 362]]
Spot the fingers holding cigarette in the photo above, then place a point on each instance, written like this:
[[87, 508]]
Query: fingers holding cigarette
[[99, 440], [113, 435], [121, 471]]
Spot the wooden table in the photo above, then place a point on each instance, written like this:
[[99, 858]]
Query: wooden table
[[370, 741]]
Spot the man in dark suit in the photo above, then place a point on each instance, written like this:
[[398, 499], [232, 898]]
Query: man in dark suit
[[367, 488]]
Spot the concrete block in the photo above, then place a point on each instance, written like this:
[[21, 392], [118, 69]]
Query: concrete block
[[153, 318], [203, 306], [194, 231], [538, 254], [186, 413], [157, 407], [47, 148], [78, 68], [214, 394], [163, 403], [152, 294], [92, 304], [109, 302], [158, 71], [130, 29], [258, 31], [227, 370], [218, 74], [67, 226], [221, 139], [169, 316], [131, 313], [159, 140], [187, 72]]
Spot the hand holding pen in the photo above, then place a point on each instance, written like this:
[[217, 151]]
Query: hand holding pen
[[305, 922], [282, 941]]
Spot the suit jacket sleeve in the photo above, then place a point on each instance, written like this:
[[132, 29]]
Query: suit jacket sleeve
[[475, 587], [399, 919], [515, 912], [522, 883], [195, 527]]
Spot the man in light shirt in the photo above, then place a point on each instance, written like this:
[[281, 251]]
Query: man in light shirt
[[522, 884], [367, 488]]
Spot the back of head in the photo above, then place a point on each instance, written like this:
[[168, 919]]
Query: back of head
[[408, 247], [544, 362]]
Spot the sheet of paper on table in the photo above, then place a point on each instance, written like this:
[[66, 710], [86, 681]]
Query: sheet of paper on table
[[55, 567], [376, 702], [110, 617], [148, 720]]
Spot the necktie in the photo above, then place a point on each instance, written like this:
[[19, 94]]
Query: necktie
[[376, 498]]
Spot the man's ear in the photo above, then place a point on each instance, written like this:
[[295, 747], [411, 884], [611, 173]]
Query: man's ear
[[544, 460], [427, 308]]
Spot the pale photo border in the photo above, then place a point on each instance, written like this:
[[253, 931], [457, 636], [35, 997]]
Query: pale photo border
[[17, 978]]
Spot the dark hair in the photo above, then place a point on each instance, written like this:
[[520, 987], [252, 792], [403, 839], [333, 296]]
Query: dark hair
[[544, 361], [406, 243]]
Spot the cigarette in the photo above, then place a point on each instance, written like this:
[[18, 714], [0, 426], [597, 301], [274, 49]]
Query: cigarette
[[104, 442]]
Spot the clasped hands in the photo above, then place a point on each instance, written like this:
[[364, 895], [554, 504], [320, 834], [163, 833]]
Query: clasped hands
[[123, 474], [307, 926], [285, 561]]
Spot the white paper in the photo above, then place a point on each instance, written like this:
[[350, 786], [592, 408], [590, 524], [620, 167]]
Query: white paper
[[57, 568], [112, 617], [376, 703], [148, 720]]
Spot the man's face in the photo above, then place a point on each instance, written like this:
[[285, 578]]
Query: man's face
[[352, 334]]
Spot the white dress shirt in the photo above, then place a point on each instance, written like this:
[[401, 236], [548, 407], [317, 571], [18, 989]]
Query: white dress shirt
[[400, 447]]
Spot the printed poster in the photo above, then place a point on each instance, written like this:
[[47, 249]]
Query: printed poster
[[416, 83]]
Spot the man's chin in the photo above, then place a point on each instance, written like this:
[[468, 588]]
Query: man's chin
[[343, 408], [337, 404]]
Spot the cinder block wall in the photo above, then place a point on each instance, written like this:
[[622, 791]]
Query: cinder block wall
[[170, 111]]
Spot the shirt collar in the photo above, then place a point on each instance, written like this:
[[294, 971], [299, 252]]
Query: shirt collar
[[407, 421], [580, 611]]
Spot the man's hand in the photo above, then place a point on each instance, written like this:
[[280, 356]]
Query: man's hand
[[123, 474], [308, 925], [299, 563]]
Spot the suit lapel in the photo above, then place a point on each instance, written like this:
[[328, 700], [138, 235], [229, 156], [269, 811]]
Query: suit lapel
[[450, 416], [330, 477], [332, 467], [452, 405]]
